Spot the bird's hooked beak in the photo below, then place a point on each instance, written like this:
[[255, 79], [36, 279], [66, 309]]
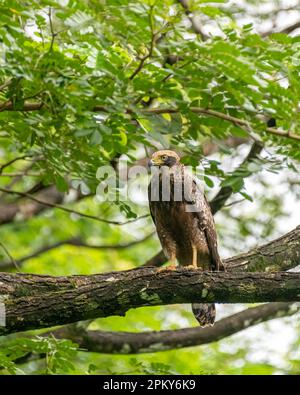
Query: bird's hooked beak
[[155, 162]]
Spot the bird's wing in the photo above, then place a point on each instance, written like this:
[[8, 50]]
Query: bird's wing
[[201, 209], [150, 203], [211, 237]]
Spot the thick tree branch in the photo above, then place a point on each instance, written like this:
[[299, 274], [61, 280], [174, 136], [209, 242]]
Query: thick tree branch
[[278, 255], [33, 301], [148, 342]]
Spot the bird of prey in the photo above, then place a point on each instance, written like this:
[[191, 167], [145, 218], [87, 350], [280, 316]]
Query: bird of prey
[[183, 220]]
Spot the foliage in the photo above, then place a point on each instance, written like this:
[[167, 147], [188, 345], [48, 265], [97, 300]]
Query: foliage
[[89, 55], [92, 73], [56, 354]]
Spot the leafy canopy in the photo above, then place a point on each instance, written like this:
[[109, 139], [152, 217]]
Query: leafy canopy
[[70, 57], [80, 85]]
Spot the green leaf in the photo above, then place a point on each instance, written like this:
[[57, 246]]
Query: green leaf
[[209, 182]]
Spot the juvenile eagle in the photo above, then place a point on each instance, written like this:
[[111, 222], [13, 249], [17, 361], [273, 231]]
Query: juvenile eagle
[[183, 220]]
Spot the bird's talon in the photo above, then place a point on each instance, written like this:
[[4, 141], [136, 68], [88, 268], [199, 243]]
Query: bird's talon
[[193, 267], [166, 268]]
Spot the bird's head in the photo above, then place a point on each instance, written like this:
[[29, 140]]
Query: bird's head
[[164, 158]]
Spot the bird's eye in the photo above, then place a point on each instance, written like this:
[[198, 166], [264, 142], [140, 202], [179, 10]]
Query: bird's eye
[[164, 157]]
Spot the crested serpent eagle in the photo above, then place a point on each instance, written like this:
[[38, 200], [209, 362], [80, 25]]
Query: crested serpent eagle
[[183, 220]]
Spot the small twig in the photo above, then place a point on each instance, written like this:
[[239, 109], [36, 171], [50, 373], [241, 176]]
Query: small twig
[[68, 210], [77, 242], [287, 30], [291, 28], [150, 51], [195, 25], [53, 34], [226, 117], [273, 12], [34, 95], [234, 203], [239, 264], [9, 106], [26, 172], [5, 105], [2, 167], [5, 85], [20, 174], [13, 262]]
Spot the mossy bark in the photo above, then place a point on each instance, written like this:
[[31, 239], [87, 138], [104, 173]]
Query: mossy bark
[[34, 301], [149, 342], [278, 255]]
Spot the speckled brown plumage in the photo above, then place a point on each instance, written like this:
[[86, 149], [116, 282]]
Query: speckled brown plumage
[[184, 222]]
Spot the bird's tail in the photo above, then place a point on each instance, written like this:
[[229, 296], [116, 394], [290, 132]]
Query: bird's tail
[[205, 313]]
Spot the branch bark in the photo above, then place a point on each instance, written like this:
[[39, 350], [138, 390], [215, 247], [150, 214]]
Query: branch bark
[[148, 342], [33, 301], [278, 255]]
